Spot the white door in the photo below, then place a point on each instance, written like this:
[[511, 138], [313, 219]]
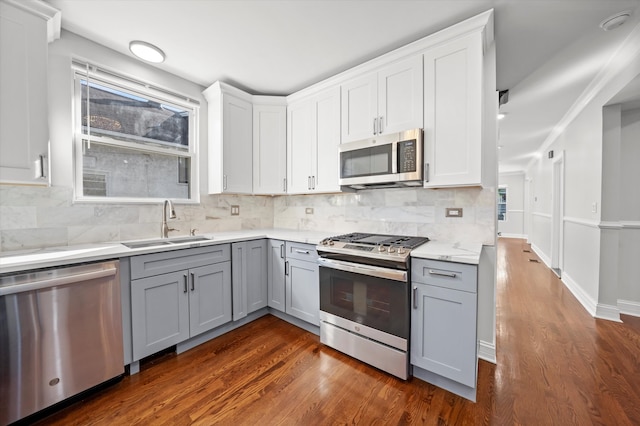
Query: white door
[[359, 108], [400, 103]]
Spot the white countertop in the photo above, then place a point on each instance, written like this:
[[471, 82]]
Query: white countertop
[[14, 262], [450, 252], [25, 260]]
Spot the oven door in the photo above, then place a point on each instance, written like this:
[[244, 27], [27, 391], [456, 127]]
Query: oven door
[[372, 296]]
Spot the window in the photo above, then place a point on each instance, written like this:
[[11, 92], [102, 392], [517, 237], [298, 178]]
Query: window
[[502, 203], [132, 142]]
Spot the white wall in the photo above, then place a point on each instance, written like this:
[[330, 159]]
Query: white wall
[[629, 248], [581, 141], [514, 225]]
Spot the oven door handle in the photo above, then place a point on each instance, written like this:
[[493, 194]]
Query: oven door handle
[[373, 271]]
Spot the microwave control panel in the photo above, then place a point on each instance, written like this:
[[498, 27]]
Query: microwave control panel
[[407, 156]]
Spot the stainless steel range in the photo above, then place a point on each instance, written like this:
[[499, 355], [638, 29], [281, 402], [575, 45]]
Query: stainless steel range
[[365, 297]]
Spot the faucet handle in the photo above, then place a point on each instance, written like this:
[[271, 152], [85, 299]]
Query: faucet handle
[[192, 232]]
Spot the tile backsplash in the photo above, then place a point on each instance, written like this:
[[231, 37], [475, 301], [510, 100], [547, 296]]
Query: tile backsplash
[[36, 217]]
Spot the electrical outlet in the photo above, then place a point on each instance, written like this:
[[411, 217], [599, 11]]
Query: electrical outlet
[[235, 210], [308, 210], [453, 212]]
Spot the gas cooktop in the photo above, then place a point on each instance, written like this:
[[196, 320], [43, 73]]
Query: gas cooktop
[[396, 248]]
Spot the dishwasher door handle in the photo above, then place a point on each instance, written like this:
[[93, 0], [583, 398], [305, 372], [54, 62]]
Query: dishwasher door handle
[[57, 281]]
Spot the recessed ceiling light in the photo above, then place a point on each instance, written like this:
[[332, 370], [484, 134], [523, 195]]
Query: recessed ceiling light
[[146, 51], [614, 21]]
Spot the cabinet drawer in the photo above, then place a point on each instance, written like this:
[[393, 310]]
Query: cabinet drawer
[[457, 276], [148, 265], [302, 251]]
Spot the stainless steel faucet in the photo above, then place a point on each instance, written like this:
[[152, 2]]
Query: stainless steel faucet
[[172, 215]]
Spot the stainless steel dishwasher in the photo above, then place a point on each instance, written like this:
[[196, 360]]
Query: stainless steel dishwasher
[[60, 334]]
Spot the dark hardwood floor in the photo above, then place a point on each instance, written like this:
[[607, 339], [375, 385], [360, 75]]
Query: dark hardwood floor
[[556, 366]]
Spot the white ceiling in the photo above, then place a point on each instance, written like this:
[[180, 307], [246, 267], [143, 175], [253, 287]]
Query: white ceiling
[[547, 50]]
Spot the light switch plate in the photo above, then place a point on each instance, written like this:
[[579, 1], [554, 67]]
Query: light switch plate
[[235, 210], [453, 212]]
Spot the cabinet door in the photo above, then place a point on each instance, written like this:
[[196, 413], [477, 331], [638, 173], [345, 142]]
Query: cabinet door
[[359, 108], [400, 98], [209, 297], [443, 332], [269, 149], [24, 131], [276, 282], [159, 312], [239, 280], [237, 145], [453, 113], [300, 127], [303, 291], [327, 140], [256, 266]]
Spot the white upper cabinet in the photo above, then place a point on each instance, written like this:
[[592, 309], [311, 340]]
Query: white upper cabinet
[[269, 145], [453, 112], [230, 140], [383, 102], [26, 28], [313, 137]]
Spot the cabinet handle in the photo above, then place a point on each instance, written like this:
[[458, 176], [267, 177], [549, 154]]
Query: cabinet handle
[[415, 297], [302, 251], [224, 182], [193, 281], [284, 185], [379, 125], [426, 172], [185, 282], [286, 267], [375, 125], [281, 251], [313, 182], [443, 274], [309, 183]]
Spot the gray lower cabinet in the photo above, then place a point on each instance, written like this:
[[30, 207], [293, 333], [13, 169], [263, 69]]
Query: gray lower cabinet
[[444, 318], [302, 298], [275, 275], [249, 277], [170, 307]]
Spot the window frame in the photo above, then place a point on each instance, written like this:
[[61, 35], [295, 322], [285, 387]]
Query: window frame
[[135, 87]]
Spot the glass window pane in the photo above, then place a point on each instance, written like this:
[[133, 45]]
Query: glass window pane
[[131, 117], [112, 171]]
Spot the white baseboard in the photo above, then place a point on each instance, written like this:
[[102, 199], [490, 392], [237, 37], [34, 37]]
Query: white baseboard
[[629, 307], [589, 304], [541, 255], [608, 312], [487, 351]]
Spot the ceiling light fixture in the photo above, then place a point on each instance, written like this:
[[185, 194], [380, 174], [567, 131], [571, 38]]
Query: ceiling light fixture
[[614, 21], [146, 51]]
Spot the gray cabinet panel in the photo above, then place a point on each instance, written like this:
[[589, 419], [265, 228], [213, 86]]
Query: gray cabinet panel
[[209, 297], [302, 290], [302, 251], [160, 314], [147, 265], [249, 271], [443, 332], [456, 276], [276, 281]]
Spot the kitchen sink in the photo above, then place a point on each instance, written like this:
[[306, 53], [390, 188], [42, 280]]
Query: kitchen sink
[[164, 242]]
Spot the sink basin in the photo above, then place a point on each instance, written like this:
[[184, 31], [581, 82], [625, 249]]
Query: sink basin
[[164, 242]]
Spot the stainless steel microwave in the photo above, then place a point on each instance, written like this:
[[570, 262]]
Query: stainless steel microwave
[[389, 161]]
